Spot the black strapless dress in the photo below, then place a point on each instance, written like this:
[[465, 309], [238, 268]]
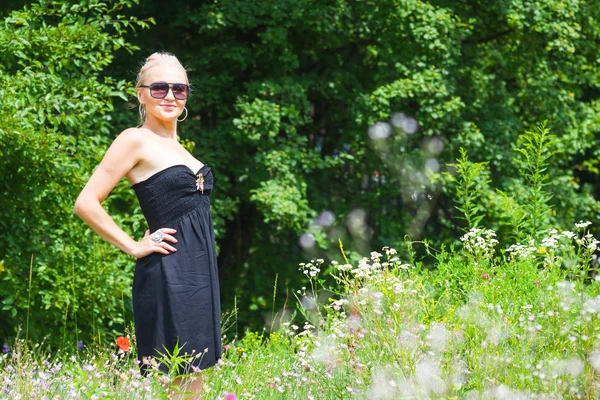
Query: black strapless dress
[[176, 300]]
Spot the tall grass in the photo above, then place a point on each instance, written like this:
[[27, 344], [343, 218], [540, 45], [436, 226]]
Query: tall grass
[[520, 322]]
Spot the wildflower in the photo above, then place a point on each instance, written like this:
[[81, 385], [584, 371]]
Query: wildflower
[[485, 276], [480, 242], [389, 251], [88, 368], [5, 348], [377, 295], [594, 360], [310, 269], [581, 224], [542, 250], [80, 345], [551, 241], [56, 368], [230, 396], [344, 267], [575, 366], [123, 343]]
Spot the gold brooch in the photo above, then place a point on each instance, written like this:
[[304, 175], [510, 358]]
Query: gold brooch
[[200, 182]]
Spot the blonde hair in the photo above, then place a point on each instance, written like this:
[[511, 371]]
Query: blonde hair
[[158, 58]]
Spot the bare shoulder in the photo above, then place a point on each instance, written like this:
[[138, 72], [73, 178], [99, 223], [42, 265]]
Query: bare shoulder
[[131, 136], [125, 152]]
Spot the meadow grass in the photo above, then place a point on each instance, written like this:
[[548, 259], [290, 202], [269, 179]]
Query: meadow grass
[[484, 323]]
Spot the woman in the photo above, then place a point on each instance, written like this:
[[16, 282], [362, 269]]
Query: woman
[[175, 286]]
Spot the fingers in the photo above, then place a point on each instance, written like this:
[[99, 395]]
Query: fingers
[[169, 238], [163, 247], [159, 249], [167, 246], [168, 234]]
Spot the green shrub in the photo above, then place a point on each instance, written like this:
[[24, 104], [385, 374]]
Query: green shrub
[[59, 280]]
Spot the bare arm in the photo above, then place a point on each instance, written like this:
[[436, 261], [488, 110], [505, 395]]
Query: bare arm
[[124, 153]]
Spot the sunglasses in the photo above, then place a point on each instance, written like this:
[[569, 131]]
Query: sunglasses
[[159, 90]]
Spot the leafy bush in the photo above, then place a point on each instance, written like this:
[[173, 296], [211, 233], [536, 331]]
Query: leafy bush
[[57, 278]]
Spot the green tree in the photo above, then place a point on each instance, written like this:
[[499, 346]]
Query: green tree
[[334, 119], [57, 279], [354, 108]]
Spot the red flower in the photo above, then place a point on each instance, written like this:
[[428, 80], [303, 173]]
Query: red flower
[[486, 276], [123, 343]]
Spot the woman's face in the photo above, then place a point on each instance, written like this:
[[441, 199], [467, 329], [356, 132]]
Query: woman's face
[[168, 108]]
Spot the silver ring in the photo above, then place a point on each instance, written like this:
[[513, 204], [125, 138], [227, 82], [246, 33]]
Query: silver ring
[[157, 236]]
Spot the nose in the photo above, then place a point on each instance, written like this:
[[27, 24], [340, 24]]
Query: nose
[[170, 95]]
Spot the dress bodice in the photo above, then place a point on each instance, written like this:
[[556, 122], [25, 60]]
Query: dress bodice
[[173, 192]]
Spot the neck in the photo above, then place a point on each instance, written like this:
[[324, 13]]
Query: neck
[[166, 129]]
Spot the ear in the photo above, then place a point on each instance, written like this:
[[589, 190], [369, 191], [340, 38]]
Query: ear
[[139, 96]]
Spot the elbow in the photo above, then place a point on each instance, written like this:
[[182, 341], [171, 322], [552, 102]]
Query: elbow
[[85, 206], [78, 208]]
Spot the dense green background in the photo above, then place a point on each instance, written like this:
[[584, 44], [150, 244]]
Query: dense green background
[[304, 110]]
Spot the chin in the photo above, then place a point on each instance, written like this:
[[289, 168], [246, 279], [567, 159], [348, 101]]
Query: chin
[[167, 117]]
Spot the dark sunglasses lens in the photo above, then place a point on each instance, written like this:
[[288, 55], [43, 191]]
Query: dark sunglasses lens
[[159, 90], [180, 91]]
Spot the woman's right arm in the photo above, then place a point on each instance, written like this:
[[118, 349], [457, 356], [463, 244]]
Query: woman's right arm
[[124, 153]]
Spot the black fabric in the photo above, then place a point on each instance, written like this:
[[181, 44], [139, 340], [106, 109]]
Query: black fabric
[[176, 298]]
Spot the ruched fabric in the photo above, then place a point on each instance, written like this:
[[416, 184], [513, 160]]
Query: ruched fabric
[[176, 300]]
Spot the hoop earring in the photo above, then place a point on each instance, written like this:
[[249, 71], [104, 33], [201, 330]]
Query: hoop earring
[[142, 111], [186, 114]]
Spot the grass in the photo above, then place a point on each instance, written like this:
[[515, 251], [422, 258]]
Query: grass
[[486, 323]]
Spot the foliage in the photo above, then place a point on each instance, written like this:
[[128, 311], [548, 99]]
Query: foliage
[[54, 125], [526, 213], [322, 121], [333, 120], [535, 151], [473, 180]]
